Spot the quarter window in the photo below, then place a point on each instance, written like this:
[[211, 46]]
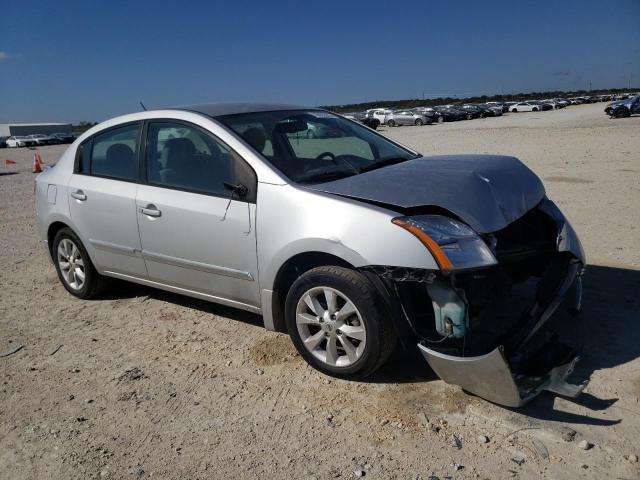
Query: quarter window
[[114, 153], [185, 157]]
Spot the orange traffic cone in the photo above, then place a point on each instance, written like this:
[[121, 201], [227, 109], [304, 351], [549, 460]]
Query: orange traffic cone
[[37, 168], [40, 159], [9, 162]]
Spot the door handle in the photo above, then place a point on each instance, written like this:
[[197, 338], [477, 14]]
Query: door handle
[[151, 211], [79, 195]]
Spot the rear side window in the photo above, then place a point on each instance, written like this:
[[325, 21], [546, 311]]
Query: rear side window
[[114, 153]]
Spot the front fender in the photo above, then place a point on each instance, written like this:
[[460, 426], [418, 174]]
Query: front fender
[[292, 220]]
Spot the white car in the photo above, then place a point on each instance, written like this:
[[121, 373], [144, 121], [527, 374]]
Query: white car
[[20, 141], [380, 114], [525, 107]]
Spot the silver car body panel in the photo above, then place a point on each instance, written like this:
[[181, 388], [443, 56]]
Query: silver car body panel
[[215, 252], [490, 377], [230, 252], [292, 220]]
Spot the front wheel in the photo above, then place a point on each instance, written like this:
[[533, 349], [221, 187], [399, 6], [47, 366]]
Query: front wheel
[[621, 113], [515, 110], [419, 122], [338, 322], [391, 123], [534, 109]]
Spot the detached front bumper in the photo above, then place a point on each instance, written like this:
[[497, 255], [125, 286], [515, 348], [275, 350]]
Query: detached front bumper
[[504, 342], [490, 376]]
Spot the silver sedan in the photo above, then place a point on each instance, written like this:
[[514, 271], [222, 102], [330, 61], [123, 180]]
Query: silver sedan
[[347, 241], [406, 117]]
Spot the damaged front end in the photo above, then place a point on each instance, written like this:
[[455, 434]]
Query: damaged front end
[[490, 326]]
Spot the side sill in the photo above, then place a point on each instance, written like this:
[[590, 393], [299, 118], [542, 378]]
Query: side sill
[[184, 291]]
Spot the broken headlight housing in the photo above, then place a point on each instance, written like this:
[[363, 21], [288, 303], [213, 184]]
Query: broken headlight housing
[[453, 244]]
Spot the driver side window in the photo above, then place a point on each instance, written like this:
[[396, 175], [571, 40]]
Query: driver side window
[[186, 158]]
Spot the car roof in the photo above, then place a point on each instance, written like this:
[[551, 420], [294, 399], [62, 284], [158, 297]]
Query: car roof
[[221, 109]]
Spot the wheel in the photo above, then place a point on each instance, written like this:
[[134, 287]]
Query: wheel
[[515, 110], [469, 116], [621, 113], [534, 109], [338, 323], [418, 122], [74, 267], [440, 119], [391, 123]]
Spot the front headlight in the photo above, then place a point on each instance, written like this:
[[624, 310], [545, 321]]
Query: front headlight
[[452, 243]]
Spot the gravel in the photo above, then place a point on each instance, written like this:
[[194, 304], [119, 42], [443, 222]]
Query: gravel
[[251, 426]]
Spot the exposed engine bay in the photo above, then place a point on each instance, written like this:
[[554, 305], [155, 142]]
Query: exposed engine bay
[[491, 329]]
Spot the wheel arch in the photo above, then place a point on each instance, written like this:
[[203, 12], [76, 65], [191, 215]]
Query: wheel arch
[[52, 230], [289, 271]]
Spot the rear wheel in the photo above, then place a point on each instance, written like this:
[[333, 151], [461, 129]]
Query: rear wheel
[[534, 109], [391, 123], [74, 267], [419, 122], [515, 110], [338, 323]]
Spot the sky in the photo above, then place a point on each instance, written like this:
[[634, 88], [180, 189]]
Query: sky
[[77, 61]]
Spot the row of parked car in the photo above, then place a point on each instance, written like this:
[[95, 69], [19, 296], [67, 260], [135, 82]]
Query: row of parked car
[[448, 113], [36, 140]]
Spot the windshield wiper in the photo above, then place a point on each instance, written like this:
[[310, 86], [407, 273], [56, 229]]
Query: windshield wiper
[[383, 163], [325, 176]]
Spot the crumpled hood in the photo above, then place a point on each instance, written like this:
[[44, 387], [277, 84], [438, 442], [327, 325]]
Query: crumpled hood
[[486, 191]]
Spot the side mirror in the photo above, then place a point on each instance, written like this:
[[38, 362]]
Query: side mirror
[[239, 189]]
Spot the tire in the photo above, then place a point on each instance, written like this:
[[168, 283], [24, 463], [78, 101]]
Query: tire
[[515, 110], [391, 123], [440, 119], [534, 109], [368, 320], [621, 113], [418, 122], [93, 281]]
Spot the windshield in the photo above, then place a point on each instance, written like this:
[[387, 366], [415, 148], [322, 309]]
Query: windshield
[[313, 146]]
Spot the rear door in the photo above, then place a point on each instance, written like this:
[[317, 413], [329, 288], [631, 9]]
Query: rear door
[[102, 204], [196, 233]]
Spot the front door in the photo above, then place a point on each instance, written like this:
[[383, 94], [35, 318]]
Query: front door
[[102, 193], [198, 234]]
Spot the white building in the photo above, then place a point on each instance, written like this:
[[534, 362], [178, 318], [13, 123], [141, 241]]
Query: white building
[[10, 129]]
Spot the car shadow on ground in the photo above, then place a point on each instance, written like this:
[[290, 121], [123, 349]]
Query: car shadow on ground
[[120, 289], [607, 331]]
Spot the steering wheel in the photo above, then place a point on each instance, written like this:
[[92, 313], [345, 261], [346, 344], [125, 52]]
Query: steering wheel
[[331, 156]]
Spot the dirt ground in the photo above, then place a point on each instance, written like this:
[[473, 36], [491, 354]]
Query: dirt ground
[[146, 384]]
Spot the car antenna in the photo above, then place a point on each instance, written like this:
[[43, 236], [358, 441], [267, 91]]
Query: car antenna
[[143, 107]]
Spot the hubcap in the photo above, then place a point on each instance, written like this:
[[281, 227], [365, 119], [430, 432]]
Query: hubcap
[[71, 264], [330, 326]]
